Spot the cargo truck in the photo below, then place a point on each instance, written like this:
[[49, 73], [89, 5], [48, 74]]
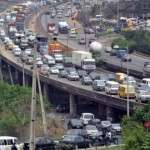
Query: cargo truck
[[54, 49], [84, 60]]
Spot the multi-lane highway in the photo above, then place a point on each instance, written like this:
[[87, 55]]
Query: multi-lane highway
[[137, 61]]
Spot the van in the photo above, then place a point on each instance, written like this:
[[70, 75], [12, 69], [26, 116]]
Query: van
[[119, 77], [111, 87], [6, 142], [146, 81], [86, 117], [125, 90], [49, 60]]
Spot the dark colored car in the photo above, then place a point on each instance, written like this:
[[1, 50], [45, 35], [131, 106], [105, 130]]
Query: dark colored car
[[81, 73], [94, 121], [111, 77], [70, 69], [121, 53], [29, 60], [62, 74], [23, 56], [86, 80], [113, 52], [41, 143], [91, 40], [98, 85], [88, 30], [77, 141], [74, 124], [94, 75], [103, 77], [63, 108]]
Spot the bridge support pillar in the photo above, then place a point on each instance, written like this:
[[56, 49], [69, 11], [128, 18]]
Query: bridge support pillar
[[72, 105], [28, 80], [110, 114], [102, 110], [16, 74], [46, 91]]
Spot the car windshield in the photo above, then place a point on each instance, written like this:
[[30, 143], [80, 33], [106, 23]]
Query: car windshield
[[88, 117], [116, 125], [130, 89], [74, 74], [115, 85], [144, 93], [45, 67], [87, 79], [143, 86], [90, 127], [101, 82], [75, 121], [69, 138], [54, 68], [106, 123], [89, 62]]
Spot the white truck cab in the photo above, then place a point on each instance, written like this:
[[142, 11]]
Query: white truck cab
[[146, 81], [86, 117]]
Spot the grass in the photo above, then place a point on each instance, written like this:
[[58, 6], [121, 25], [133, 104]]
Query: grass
[[111, 148]]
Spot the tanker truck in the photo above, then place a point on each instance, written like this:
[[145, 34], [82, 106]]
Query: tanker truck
[[95, 47]]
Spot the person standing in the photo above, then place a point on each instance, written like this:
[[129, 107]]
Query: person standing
[[14, 147]]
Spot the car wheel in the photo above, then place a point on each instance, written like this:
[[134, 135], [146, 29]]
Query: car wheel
[[76, 146], [90, 145]]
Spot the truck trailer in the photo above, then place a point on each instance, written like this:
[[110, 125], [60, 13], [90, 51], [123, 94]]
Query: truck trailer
[[84, 60]]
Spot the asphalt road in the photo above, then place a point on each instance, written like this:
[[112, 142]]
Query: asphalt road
[[137, 61]]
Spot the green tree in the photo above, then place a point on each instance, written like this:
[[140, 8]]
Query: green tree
[[15, 105], [136, 134]]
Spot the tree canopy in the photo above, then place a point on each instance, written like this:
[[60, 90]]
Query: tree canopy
[[15, 106], [136, 129]]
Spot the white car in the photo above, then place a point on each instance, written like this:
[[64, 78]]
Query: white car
[[91, 130], [54, 70], [17, 52], [86, 117], [28, 51], [142, 96], [59, 66], [73, 76]]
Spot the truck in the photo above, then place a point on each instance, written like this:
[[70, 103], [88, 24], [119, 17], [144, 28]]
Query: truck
[[63, 27], [84, 60], [95, 47], [20, 26], [41, 41], [54, 49], [51, 27], [146, 69]]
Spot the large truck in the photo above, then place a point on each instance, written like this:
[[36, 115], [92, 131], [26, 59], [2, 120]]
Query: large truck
[[95, 47], [84, 60], [54, 48], [63, 27], [146, 69]]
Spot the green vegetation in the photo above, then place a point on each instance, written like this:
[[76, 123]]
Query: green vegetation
[[15, 103], [2, 9], [111, 148], [136, 40], [99, 60], [136, 129]]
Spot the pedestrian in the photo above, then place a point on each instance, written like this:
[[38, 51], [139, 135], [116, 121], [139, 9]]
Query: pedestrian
[[14, 147], [109, 134]]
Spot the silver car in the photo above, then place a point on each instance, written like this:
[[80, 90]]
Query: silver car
[[73, 76], [142, 96], [54, 70]]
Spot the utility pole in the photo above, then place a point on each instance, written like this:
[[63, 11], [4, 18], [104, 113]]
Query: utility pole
[[128, 112], [33, 100], [23, 73], [118, 14], [42, 107], [10, 75]]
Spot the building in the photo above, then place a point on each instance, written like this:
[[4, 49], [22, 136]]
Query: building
[[134, 8]]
